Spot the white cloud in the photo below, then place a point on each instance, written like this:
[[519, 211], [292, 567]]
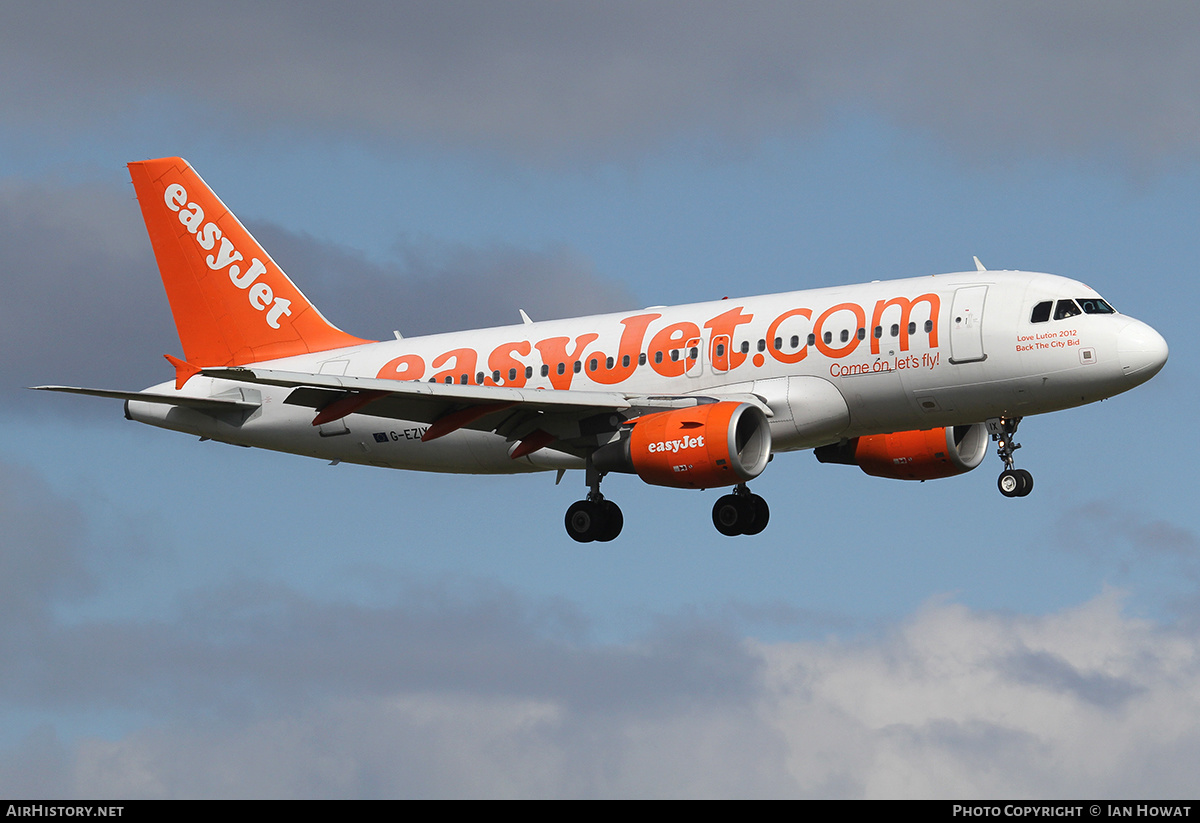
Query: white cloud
[[952, 703], [948, 705]]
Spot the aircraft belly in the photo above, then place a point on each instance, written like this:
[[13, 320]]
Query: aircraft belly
[[359, 439], [397, 444]]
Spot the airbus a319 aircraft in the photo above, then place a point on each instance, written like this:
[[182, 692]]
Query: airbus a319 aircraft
[[906, 379]]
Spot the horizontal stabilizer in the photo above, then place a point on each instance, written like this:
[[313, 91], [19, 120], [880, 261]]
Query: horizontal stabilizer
[[200, 403]]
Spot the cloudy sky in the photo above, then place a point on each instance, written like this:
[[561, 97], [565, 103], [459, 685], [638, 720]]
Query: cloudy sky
[[182, 619]]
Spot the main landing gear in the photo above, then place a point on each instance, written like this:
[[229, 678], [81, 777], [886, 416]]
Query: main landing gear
[[741, 512], [594, 518], [597, 519], [1012, 482]]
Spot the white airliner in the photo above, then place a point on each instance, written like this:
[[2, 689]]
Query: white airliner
[[903, 378]]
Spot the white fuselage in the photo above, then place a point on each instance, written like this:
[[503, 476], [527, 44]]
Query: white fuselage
[[828, 364]]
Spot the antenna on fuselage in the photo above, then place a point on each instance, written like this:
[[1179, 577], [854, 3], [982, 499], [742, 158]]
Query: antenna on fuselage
[[979, 266], [525, 318]]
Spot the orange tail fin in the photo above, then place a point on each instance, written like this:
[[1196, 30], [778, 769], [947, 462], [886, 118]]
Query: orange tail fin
[[232, 304]]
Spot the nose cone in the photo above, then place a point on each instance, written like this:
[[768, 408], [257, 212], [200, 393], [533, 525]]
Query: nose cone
[[1142, 351]]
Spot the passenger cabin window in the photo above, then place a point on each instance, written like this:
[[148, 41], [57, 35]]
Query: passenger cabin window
[[1041, 312], [1065, 309], [545, 370]]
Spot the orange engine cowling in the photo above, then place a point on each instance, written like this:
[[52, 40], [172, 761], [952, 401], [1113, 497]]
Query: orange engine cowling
[[912, 455], [700, 447]]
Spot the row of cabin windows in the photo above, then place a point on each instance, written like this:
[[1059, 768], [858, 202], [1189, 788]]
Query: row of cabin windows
[[844, 337], [693, 353], [512, 375], [1069, 308], [593, 364]]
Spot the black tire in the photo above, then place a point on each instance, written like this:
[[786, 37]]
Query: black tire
[[761, 515], [1026, 482], [582, 521], [729, 515], [609, 522]]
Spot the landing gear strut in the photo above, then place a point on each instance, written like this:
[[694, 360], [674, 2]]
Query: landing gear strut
[[1012, 482], [594, 518], [741, 512]]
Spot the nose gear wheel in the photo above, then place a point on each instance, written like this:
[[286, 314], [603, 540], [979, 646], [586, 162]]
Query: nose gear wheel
[[1012, 482]]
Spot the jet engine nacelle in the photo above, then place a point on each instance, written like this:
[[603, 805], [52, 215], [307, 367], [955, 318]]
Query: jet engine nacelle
[[912, 455], [701, 447]]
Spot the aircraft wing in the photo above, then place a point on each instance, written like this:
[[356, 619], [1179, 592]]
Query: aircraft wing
[[419, 393], [569, 418]]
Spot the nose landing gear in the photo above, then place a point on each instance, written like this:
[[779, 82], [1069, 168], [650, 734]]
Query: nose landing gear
[[1012, 482], [741, 512]]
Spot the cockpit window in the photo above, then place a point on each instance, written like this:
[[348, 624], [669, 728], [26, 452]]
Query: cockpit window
[[1094, 305], [1065, 309], [1069, 308]]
